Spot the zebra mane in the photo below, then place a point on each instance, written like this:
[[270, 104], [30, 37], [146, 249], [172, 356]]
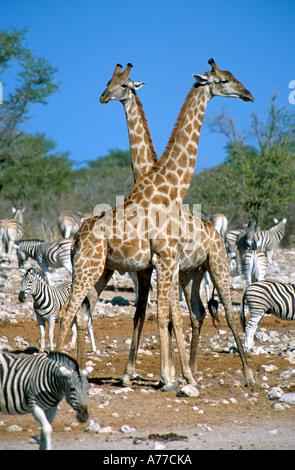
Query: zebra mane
[[64, 360]]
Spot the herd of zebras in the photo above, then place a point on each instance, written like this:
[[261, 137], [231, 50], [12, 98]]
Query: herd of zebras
[[250, 252]]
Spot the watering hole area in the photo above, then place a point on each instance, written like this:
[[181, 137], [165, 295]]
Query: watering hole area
[[225, 415]]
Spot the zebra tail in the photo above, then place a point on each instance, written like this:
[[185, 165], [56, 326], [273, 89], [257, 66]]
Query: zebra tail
[[5, 241], [213, 310], [242, 312]]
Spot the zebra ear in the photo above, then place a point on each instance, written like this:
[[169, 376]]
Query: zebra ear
[[65, 371], [87, 370]]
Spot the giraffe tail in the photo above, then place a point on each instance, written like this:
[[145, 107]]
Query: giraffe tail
[[213, 310]]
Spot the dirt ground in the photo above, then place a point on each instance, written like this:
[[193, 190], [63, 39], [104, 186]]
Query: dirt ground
[[226, 415]]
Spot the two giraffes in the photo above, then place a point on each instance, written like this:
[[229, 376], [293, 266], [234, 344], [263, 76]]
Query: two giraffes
[[153, 229]]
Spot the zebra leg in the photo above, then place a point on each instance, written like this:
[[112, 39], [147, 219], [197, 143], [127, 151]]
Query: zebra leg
[[41, 324], [51, 322], [251, 328], [191, 283], [144, 279], [46, 428], [73, 342]]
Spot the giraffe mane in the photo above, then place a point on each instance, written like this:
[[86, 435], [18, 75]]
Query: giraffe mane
[[146, 128], [177, 124]]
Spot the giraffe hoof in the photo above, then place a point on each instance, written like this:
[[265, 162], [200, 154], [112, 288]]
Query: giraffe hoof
[[169, 388]]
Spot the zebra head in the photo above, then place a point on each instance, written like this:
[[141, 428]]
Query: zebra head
[[28, 284], [249, 240], [76, 384]]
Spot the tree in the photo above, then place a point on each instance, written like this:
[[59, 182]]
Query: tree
[[259, 178], [34, 84]]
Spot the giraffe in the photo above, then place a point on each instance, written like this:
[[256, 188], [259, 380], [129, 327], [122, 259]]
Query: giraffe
[[151, 226], [143, 156]]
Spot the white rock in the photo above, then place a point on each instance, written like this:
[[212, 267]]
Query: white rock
[[274, 393], [14, 428], [92, 426], [288, 398], [127, 429], [188, 391]]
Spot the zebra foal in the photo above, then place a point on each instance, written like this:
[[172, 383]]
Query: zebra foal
[[266, 297], [36, 384], [48, 301], [255, 266]]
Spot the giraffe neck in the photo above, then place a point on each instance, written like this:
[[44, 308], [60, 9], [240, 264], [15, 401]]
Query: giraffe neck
[[178, 161], [143, 155]]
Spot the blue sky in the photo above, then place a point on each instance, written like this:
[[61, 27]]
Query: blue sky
[[166, 41]]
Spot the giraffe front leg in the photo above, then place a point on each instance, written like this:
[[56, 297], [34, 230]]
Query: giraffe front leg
[[88, 267], [167, 270]]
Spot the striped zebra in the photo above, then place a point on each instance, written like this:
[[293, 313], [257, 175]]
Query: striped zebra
[[255, 266], [269, 240], [69, 223], [245, 242], [48, 301], [231, 246], [56, 254], [220, 222], [11, 231], [37, 383], [266, 297]]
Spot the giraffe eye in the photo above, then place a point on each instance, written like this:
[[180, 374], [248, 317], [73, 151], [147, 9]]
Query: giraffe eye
[[224, 80], [124, 86]]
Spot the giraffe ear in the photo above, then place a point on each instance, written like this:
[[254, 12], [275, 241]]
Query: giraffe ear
[[201, 79], [138, 85]]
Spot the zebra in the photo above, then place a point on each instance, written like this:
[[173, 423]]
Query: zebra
[[69, 223], [220, 222], [255, 266], [245, 242], [48, 301], [269, 240], [37, 383], [56, 254], [231, 246], [11, 231], [266, 297]]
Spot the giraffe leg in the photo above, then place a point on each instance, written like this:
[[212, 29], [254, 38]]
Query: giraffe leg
[[86, 273], [191, 283], [144, 279], [218, 270], [168, 296]]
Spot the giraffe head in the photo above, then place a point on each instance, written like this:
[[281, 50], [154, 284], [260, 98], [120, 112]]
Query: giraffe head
[[223, 83], [120, 85]]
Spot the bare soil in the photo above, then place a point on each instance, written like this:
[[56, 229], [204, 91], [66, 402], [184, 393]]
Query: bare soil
[[226, 415]]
